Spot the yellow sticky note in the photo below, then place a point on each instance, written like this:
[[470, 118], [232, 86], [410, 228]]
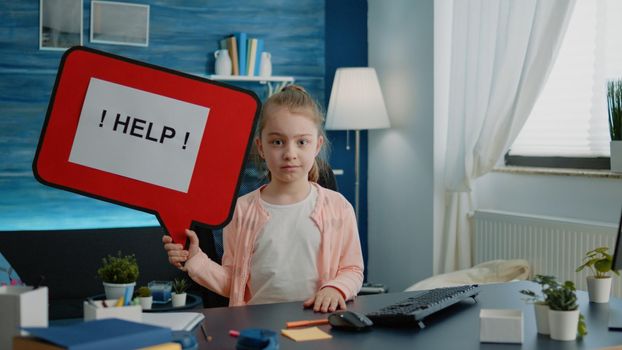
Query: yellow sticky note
[[305, 334]]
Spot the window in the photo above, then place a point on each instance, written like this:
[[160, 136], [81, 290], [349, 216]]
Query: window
[[568, 125]]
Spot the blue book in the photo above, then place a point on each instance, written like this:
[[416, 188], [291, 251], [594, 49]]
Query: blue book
[[258, 56], [105, 334], [241, 40]]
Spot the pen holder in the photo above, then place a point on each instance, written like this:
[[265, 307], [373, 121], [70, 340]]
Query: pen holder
[[97, 311], [21, 306]]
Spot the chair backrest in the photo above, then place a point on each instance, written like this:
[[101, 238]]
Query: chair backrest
[[68, 261]]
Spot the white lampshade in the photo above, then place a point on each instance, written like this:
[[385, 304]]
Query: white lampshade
[[356, 101]]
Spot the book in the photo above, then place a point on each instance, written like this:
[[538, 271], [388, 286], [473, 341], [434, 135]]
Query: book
[[177, 321], [232, 46], [258, 56], [31, 343], [104, 334], [252, 54], [240, 37]]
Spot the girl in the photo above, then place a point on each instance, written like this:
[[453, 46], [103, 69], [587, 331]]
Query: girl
[[290, 239]]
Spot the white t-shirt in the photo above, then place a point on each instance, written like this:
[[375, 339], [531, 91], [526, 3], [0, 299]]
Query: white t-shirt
[[284, 261]]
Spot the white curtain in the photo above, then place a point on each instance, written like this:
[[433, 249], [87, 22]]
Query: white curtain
[[501, 54]]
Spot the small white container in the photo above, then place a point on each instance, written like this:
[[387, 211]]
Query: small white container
[[179, 299], [542, 318], [599, 289], [146, 302], [98, 311], [501, 326], [222, 65], [563, 324], [21, 306]]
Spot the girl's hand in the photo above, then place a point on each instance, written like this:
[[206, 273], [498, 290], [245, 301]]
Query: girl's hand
[[327, 299], [177, 255]]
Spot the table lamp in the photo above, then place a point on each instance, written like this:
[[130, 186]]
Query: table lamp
[[356, 103]]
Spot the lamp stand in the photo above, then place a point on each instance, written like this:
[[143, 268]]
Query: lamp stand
[[357, 156]]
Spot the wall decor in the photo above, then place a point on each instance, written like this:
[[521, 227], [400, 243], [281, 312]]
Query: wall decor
[[119, 23], [60, 24]]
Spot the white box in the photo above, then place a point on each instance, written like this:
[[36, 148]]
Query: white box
[[501, 326], [130, 312], [21, 306]]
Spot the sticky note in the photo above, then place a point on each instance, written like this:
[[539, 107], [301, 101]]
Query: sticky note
[[305, 334]]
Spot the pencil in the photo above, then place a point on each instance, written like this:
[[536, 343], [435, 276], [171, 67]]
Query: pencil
[[307, 323]]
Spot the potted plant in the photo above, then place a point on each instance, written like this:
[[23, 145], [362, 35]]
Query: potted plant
[[565, 320], [599, 283], [541, 307], [145, 298], [118, 274], [614, 107], [180, 285]]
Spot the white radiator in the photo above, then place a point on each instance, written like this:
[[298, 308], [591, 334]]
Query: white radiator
[[553, 246]]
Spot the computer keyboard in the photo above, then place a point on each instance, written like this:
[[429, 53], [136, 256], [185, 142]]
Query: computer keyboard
[[413, 310]]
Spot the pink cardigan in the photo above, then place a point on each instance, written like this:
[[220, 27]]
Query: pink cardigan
[[340, 261]]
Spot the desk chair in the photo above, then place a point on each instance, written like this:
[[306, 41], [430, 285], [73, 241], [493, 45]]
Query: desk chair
[[211, 241], [69, 259]]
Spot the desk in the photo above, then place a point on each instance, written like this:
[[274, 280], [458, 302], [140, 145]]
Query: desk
[[456, 328]]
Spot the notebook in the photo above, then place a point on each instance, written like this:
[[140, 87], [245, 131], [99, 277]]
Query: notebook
[[105, 334]]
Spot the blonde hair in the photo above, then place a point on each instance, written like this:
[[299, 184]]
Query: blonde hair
[[296, 100]]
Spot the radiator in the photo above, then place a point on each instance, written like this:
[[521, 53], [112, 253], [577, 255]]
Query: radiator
[[553, 246]]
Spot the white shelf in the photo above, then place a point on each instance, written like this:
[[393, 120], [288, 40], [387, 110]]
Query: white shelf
[[261, 80], [279, 81]]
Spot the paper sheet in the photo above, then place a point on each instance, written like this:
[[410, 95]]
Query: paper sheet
[[177, 321], [305, 334]]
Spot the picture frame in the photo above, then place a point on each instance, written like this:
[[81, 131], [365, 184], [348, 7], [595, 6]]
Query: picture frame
[[60, 24], [119, 23]]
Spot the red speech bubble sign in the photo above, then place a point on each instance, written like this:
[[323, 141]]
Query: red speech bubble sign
[[146, 137]]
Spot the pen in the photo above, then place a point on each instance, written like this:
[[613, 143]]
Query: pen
[[307, 323], [204, 332]]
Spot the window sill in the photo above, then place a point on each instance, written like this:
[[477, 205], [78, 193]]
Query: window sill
[[558, 172]]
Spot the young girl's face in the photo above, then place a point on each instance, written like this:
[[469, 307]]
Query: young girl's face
[[289, 143]]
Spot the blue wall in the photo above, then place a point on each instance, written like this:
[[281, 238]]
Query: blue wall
[[346, 46], [308, 39], [183, 36]]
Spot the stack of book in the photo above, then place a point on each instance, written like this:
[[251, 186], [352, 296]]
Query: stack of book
[[103, 334], [245, 53]]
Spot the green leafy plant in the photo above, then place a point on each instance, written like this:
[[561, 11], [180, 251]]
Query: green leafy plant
[[599, 262], [563, 297], [545, 283], [180, 285], [614, 107], [144, 292], [119, 269], [559, 297]]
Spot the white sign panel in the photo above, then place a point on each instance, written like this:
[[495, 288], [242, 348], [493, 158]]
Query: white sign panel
[[138, 134]]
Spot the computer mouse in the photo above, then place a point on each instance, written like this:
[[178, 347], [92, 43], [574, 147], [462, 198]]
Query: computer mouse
[[350, 320]]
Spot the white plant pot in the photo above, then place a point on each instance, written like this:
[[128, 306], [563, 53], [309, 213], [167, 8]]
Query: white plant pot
[[616, 155], [179, 299], [599, 289], [115, 291], [146, 302], [542, 318], [563, 324]]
